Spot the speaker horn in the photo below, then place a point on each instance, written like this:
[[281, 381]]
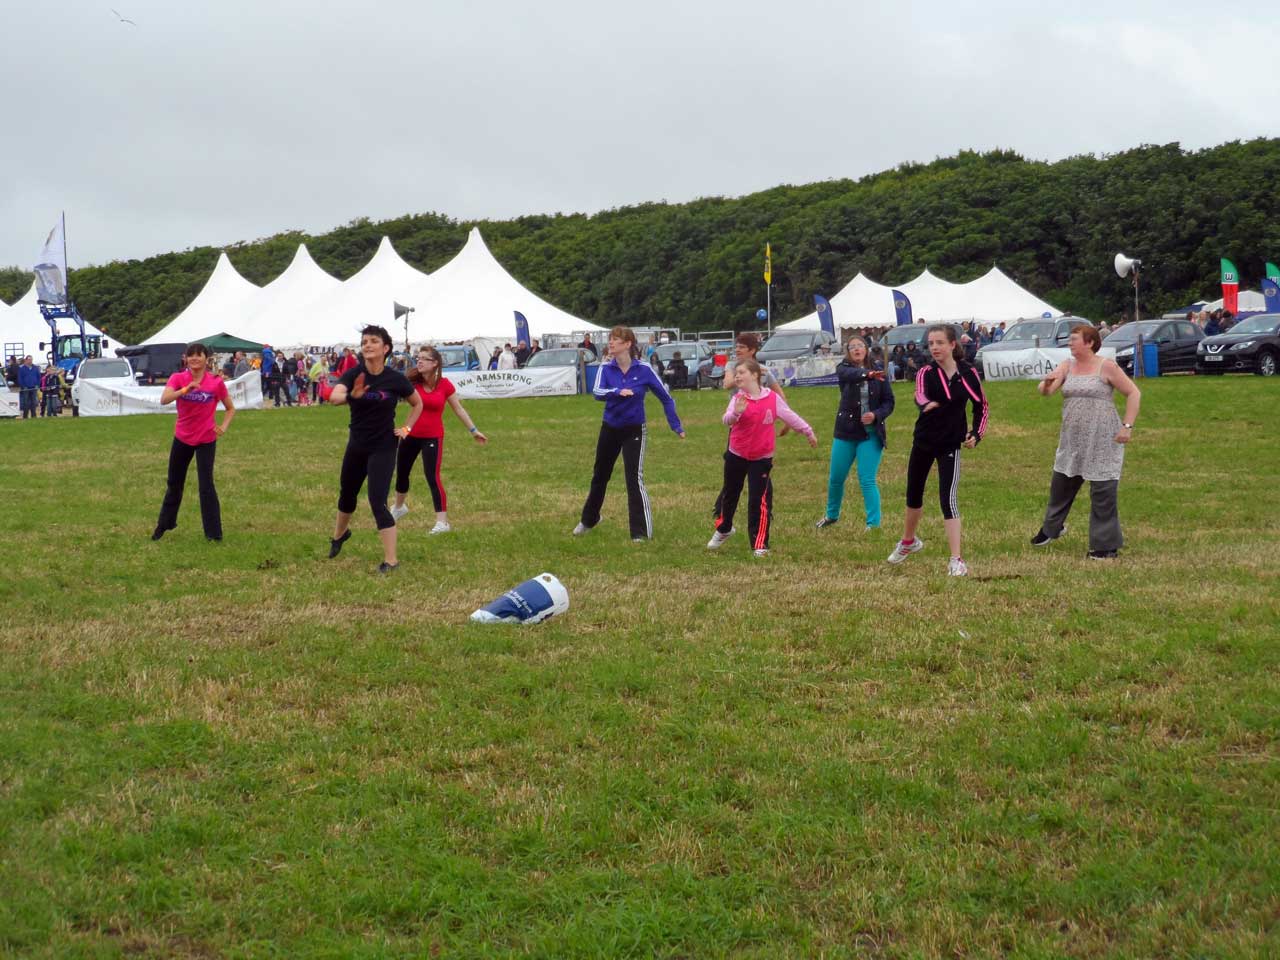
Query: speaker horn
[[401, 309], [1125, 265]]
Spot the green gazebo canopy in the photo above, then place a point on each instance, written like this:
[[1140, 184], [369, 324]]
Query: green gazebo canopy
[[226, 343]]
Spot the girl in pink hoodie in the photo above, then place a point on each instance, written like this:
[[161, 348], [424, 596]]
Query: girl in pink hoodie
[[750, 417]]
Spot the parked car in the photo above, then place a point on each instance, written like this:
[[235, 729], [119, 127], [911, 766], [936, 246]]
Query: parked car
[[1176, 342], [108, 373], [1051, 332], [917, 333], [696, 355], [459, 358], [561, 357], [1252, 344], [790, 344]]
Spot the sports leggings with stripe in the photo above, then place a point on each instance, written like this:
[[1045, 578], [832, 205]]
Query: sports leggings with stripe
[[630, 443], [432, 450], [918, 466], [758, 477]]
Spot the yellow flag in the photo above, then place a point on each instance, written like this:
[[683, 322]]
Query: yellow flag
[[768, 264]]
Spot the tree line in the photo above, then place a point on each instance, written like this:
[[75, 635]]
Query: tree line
[[1052, 227]]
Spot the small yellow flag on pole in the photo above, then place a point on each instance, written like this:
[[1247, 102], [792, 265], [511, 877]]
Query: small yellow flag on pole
[[768, 264]]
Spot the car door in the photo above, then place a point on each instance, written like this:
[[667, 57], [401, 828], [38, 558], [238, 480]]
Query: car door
[[1189, 337]]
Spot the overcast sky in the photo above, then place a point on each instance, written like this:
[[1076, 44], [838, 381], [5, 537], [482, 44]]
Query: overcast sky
[[211, 123]]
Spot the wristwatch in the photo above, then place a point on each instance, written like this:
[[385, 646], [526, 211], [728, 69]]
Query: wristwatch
[[1127, 426]]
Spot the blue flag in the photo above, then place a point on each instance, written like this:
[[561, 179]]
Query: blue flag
[[1271, 294], [522, 330], [902, 307], [826, 317]]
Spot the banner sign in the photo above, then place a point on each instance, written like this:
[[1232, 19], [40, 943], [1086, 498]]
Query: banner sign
[[1230, 287], [51, 269], [522, 330], [1271, 295], [807, 371], [498, 384], [109, 399], [1035, 363], [826, 317], [902, 308]]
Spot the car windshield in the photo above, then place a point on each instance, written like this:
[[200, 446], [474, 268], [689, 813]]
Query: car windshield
[[1263, 323], [1129, 332], [456, 357], [1029, 331], [913, 333], [688, 350], [789, 341], [103, 369], [554, 358]]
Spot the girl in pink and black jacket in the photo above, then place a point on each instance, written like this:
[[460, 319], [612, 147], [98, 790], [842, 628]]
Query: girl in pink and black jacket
[[750, 417]]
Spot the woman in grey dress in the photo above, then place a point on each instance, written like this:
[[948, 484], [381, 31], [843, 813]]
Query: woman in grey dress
[[1091, 445]]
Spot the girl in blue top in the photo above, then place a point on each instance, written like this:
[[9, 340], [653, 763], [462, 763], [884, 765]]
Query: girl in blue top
[[621, 383]]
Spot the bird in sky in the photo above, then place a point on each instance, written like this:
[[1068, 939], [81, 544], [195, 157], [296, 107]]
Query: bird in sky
[[122, 19]]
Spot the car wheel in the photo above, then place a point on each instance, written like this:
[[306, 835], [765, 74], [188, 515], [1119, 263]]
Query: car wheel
[[1266, 363]]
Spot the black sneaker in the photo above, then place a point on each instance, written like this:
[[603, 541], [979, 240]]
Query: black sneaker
[[1041, 538], [1103, 554], [385, 568], [826, 522], [160, 530], [335, 546]]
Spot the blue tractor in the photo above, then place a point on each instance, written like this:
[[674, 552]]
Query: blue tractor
[[67, 350]]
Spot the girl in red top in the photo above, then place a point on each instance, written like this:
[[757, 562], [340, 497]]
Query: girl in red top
[[427, 435], [196, 434], [750, 417]]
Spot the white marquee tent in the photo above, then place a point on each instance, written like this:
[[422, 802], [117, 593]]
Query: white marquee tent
[[473, 296], [277, 315], [991, 298], [220, 307], [336, 317], [23, 323]]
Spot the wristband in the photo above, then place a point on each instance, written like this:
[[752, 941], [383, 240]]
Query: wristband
[[1127, 426], [475, 429]]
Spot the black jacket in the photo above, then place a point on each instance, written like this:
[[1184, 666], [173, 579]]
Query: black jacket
[[849, 415], [945, 427]]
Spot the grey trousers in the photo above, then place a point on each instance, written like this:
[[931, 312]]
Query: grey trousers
[[1104, 521]]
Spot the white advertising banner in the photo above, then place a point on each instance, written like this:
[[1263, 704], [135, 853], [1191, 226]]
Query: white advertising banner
[[117, 400], [1034, 363], [495, 384]]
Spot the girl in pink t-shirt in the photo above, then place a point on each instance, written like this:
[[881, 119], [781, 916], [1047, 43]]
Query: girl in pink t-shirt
[[751, 416], [197, 392]]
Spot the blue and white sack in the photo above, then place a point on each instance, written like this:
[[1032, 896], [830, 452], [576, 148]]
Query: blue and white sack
[[531, 602]]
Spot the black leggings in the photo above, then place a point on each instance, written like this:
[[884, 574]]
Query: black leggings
[[180, 455], [630, 442], [918, 466], [432, 450], [759, 497], [377, 465]]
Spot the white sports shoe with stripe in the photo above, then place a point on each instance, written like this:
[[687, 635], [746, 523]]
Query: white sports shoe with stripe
[[719, 538], [904, 550], [957, 568], [398, 512]]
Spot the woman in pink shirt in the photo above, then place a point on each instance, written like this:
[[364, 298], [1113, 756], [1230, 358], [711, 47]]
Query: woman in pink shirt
[[196, 434], [750, 417]]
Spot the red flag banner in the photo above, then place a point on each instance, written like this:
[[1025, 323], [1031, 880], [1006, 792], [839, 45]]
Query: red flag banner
[[1230, 287]]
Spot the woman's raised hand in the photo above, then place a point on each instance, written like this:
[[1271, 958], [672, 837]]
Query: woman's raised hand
[[357, 388]]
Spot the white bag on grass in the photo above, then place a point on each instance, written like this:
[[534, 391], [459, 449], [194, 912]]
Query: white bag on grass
[[531, 602]]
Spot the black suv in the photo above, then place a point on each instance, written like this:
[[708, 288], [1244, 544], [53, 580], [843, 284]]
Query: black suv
[[1251, 345], [1175, 342]]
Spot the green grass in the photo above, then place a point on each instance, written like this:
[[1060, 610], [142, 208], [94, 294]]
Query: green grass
[[247, 750]]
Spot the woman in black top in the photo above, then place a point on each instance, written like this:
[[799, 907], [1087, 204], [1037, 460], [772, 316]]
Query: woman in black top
[[372, 390], [943, 388], [866, 400]]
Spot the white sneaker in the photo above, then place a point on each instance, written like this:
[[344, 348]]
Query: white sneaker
[[398, 512], [718, 538], [903, 550], [442, 526], [956, 568], [762, 553], [580, 529]]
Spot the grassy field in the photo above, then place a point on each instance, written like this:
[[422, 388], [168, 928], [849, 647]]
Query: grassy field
[[247, 750]]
